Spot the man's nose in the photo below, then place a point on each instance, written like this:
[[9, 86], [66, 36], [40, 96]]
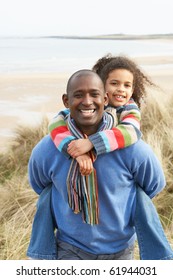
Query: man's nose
[[87, 100]]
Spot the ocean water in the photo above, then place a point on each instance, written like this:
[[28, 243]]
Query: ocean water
[[42, 55]]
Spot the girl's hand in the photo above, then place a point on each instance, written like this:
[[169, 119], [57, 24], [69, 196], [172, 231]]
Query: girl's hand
[[85, 164], [79, 147]]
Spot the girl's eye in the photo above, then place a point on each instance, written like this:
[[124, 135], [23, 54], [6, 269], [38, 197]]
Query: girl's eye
[[127, 85]]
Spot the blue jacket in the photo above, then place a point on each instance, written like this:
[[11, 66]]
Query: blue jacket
[[124, 171]]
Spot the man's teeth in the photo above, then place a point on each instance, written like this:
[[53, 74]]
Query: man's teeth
[[87, 111]]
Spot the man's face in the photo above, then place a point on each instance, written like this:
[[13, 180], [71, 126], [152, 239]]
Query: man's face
[[86, 100]]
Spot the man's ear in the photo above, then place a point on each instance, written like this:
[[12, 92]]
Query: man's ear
[[106, 99], [65, 100]]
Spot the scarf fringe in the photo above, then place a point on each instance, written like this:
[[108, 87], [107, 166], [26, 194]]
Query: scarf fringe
[[83, 194]]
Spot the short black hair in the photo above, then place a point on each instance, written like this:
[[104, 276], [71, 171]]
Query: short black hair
[[81, 73]]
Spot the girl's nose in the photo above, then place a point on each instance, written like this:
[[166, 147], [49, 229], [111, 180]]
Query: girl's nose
[[120, 88]]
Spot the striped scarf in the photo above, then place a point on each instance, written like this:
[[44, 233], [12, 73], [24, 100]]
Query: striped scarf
[[83, 190]]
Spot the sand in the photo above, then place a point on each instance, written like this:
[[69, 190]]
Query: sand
[[26, 98]]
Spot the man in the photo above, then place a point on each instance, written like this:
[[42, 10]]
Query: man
[[94, 218]]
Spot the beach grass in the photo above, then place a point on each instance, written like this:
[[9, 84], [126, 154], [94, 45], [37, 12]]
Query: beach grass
[[18, 200]]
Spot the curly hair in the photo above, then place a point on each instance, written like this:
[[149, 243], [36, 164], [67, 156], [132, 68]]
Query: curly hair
[[108, 63]]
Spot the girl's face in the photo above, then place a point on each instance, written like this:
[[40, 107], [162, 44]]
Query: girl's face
[[119, 87]]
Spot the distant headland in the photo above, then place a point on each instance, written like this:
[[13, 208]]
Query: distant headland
[[115, 37], [120, 36]]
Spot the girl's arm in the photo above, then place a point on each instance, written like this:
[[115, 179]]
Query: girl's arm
[[126, 133], [62, 137], [85, 164], [59, 132]]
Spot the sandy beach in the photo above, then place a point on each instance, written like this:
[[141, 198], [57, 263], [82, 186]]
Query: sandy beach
[[25, 98]]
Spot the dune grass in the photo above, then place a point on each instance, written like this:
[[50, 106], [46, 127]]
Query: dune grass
[[157, 131], [17, 199]]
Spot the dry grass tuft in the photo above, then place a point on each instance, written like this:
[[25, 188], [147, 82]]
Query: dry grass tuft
[[157, 129], [17, 200]]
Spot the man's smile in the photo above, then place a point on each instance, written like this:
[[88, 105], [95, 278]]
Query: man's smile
[[87, 112]]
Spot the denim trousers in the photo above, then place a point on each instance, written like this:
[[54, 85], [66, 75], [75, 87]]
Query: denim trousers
[[152, 241], [43, 242], [69, 252]]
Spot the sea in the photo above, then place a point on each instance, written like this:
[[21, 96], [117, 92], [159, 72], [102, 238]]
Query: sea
[[43, 55]]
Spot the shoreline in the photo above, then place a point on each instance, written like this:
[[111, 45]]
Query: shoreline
[[120, 36], [26, 98]]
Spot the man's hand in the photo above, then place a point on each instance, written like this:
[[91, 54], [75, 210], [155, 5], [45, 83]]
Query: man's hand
[[85, 164], [79, 147]]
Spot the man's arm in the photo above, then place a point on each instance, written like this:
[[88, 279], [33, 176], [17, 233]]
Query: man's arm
[[38, 178], [149, 174]]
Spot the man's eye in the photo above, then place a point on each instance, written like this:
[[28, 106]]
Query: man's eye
[[78, 95], [95, 94]]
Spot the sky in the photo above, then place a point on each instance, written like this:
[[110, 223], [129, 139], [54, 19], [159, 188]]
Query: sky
[[84, 18]]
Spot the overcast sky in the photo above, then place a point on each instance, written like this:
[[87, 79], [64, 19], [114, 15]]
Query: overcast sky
[[89, 17]]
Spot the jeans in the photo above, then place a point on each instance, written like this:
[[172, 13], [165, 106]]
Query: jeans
[[43, 243], [69, 252], [153, 244]]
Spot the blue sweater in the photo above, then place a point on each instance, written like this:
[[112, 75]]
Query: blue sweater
[[118, 174]]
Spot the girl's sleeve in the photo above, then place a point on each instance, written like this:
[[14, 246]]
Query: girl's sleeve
[[126, 133], [59, 132]]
